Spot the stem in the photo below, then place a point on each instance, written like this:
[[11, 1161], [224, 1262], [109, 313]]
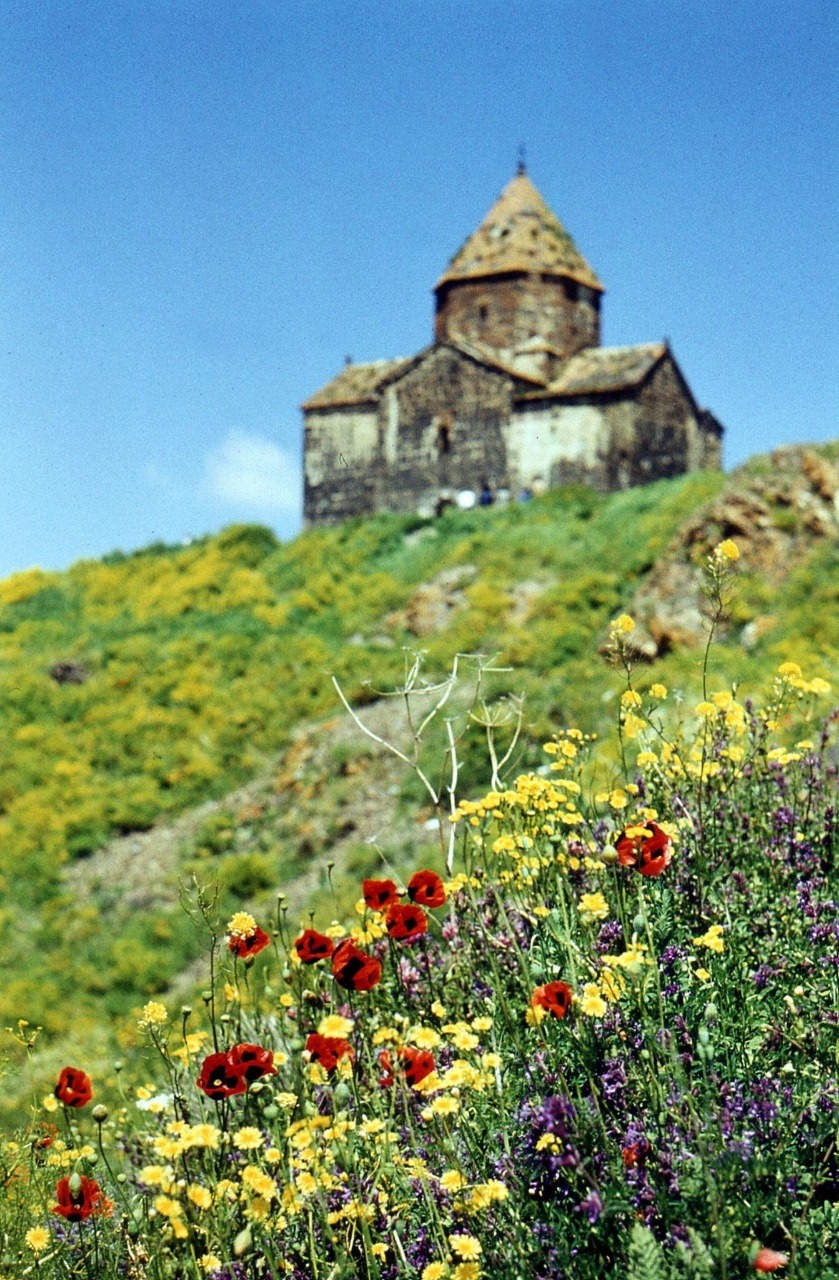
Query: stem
[[383, 742]]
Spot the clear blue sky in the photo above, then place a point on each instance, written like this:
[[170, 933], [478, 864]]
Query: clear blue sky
[[206, 205]]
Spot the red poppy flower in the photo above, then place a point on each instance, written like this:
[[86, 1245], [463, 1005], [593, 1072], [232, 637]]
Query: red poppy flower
[[650, 854], [416, 1064], [312, 946], [769, 1260], [79, 1197], [405, 922], [427, 889], [218, 1079], [328, 1050], [554, 997], [249, 944], [251, 1062], [74, 1087], [354, 969], [379, 894]]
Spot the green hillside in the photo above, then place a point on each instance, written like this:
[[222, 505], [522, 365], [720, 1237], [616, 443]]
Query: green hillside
[[139, 686]]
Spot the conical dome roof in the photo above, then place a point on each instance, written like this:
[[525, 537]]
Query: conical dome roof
[[520, 233]]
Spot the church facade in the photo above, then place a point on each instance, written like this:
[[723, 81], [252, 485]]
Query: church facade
[[515, 393]]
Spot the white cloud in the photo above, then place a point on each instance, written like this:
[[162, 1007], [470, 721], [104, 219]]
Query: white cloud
[[249, 471]]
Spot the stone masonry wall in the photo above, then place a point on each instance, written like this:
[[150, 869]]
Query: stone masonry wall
[[339, 454], [445, 418], [553, 443], [438, 427], [608, 441], [450, 423], [506, 313], [666, 436]]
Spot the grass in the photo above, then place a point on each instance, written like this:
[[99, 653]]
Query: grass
[[202, 662], [603, 1047]]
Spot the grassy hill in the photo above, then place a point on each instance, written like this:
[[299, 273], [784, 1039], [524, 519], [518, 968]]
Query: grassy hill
[[141, 687]]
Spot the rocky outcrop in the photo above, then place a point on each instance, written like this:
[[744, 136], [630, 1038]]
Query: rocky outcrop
[[775, 515], [433, 605], [436, 604], [68, 671]]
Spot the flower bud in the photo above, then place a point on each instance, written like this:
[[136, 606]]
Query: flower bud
[[75, 1184], [243, 1242], [555, 925], [341, 1094], [100, 1113]]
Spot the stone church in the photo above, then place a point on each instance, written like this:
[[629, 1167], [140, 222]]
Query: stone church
[[514, 395]]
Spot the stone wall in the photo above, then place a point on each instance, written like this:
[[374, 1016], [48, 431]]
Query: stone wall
[[665, 437], [450, 423], [507, 312], [446, 416], [438, 427], [339, 460], [552, 443], [712, 433], [608, 441]]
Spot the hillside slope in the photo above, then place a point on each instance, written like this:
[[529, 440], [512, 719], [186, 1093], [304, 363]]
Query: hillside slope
[[189, 681]]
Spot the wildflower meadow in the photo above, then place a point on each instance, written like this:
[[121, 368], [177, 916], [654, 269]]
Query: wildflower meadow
[[597, 1035]]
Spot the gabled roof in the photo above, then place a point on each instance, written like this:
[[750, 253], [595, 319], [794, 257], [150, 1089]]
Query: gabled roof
[[599, 370], [520, 233], [493, 359], [357, 384]]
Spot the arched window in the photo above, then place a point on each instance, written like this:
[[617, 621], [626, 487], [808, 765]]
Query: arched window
[[444, 442]]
